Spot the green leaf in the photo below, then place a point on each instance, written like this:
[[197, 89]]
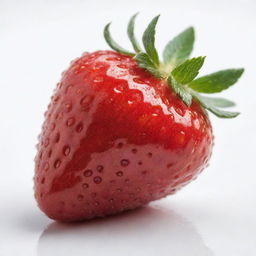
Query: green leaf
[[149, 41], [130, 32], [145, 62], [216, 82], [221, 113], [179, 48], [219, 102], [180, 90], [187, 71], [212, 108], [113, 44]]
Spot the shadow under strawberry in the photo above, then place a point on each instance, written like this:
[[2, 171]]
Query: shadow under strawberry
[[148, 231]]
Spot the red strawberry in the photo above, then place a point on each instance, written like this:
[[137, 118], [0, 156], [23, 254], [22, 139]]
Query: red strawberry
[[122, 129]]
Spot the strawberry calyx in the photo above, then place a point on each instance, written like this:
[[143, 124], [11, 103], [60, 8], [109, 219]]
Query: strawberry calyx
[[178, 69]]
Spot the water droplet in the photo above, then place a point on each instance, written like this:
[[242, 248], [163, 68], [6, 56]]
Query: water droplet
[[57, 164], [97, 179], [180, 111], [127, 180], [46, 143], [196, 124], [119, 174], [113, 59], [46, 166], [66, 150], [69, 87], [121, 66], [70, 121], [125, 162], [85, 185], [98, 66], [180, 137], [136, 97], [79, 127], [68, 107], [99, 168], [55, 99], [80, 197], [78, 91], [88, 173], [98, 79], [188, 168], [86, 101], [120, 87], [138, 80], [116, 90]]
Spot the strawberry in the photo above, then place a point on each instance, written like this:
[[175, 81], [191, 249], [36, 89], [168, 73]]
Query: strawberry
[[124, 129]]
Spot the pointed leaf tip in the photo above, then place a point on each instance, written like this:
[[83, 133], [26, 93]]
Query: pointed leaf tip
[[188, 70], [149, 40], [219, 102], [212, 105], [112, 44], [216, 82], [131, 35], [179, 48]]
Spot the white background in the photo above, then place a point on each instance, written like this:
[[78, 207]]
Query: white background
[[215, 215]]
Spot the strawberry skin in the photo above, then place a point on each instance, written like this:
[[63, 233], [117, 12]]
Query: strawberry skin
[[115, 138]]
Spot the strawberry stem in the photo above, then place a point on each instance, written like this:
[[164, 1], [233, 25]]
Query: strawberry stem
[[177, 69]]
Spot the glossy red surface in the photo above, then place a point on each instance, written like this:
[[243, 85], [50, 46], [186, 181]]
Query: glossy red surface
[[115, 138]]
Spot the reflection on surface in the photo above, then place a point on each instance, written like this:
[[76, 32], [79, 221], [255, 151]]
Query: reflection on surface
[[146, 231]]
